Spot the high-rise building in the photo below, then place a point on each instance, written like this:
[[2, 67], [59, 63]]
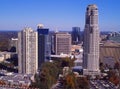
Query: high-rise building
[[62, 43], [76, 35], [44, 45], [91, 41], [27, 51]]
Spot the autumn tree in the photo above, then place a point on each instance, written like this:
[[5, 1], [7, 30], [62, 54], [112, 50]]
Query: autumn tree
[[73, 82], [70, 81], [114, 78]]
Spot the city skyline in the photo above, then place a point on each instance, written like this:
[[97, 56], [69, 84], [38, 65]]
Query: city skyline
[[60, 15]]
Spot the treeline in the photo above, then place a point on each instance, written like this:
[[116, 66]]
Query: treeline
[[49, 73], [5, 37]]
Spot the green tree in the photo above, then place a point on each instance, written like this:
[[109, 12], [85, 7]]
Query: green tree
[[52, 68], [67, 62], [47, 76], [49, 73]]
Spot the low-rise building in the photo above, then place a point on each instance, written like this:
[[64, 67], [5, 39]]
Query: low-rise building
[[6, 55], [1, 57], [14, 79]]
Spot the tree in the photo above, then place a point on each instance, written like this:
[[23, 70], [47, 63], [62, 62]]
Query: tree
[[116, 66], [73, 82], [82, 83], [102, 67], [47, 76], [114, 79], [67, 62], [13, 49], [70, 81], [52, 68]]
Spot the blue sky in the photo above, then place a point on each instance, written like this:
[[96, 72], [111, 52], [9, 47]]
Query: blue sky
[[57, 14]]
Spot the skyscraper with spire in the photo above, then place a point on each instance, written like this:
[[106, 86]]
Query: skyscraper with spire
[[91, 41]]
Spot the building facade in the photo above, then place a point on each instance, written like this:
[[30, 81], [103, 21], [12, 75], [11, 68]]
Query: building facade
[[76, 35], [44, 45], [109, 52], [91, 41], [62, 43], [28, 51]]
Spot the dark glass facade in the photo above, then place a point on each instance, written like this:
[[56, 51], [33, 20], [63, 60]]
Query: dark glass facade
[[44, 46], [76, 35]]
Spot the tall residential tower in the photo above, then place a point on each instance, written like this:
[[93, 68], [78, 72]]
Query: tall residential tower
[[91, 41], [27, 51]]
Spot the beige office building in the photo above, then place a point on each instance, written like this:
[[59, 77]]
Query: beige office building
[[62, 43]]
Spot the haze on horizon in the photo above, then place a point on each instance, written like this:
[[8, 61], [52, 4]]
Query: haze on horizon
[[57, 14]]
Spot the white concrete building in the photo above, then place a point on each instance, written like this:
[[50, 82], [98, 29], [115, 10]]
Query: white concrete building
[[28, 51], [1, 58]]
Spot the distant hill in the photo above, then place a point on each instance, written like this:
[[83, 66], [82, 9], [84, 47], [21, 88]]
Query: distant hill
[[5, 37]]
